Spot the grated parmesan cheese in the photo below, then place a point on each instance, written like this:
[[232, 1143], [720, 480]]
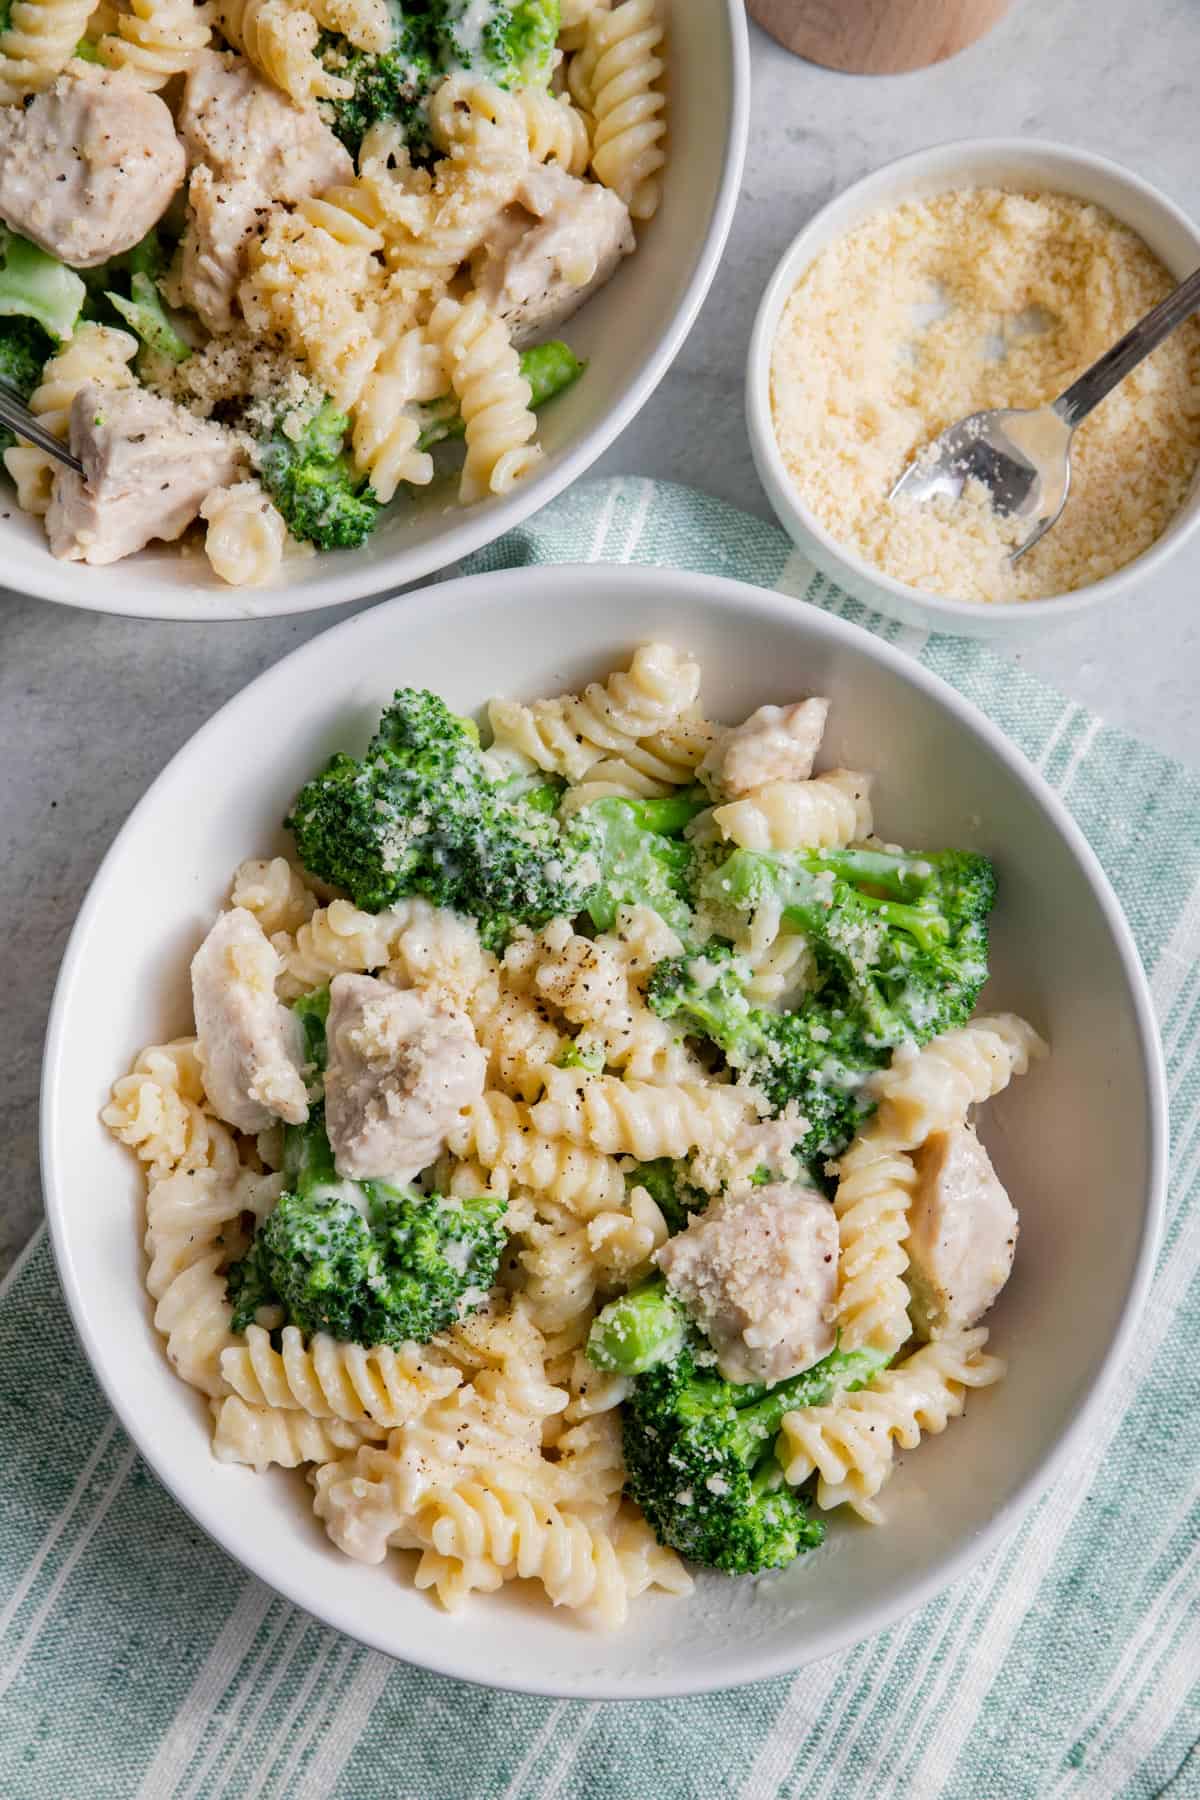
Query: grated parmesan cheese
[[972, 299]]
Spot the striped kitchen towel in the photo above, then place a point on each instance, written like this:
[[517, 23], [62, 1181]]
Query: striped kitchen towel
[[137, 1659]]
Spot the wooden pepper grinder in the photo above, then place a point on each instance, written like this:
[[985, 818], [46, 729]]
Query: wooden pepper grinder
[[877, 37]]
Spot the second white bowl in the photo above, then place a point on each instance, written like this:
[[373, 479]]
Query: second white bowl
[[1015, 163]]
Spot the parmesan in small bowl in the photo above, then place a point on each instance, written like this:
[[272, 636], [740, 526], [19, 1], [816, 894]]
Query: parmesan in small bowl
[[977, 274]]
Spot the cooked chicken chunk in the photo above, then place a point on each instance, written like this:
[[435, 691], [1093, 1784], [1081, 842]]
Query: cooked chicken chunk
[[401, 1067], [251, 1048], [962, 1233], [550, 251], [248, 146], [776, 743], [758, 1275], [147, 466], [88, 166]]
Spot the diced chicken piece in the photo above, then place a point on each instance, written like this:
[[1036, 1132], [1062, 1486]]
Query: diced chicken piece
[[548, 252], [147, 466], [248, 146], [88, 166], [776, 743], [222, 218], [758, 1275], [251, 1048], [401, 1068], [962, 1233]]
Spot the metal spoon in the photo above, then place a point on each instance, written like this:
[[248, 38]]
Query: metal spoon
[[1023, 455], [16, 415]]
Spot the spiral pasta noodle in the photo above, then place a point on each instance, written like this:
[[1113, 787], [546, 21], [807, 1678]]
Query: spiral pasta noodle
[[503, 1136], [520, 1039], [494, 397], [246, 534], [386, 430], [569, 735], [876, 1183], [263, 1437], [340, 939], [156, 39], [280, 38], [621, 77], [160, 1110], [851, 1444], [332, 1380], [931, 1089], [549, 125], [37, 43], [638, 1118], [574, 17], [474, 182], [828, 812], [96, 353], [275, 891], [192, 1232]]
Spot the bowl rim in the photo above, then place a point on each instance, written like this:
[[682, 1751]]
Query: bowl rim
[[474, 527], [940, 612], [210, 1510]]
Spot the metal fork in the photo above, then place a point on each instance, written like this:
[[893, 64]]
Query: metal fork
[[16, 415]]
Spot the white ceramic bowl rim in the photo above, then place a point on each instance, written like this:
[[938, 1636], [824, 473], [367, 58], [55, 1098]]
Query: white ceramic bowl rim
[[66, 583], [758, 387], [463, 595]]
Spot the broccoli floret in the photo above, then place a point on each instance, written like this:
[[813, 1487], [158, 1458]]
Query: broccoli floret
[[36, 286], [666, 1182], [507, 42], [642, 859], [699, 1451], [24, 347], [817, 1056], [143, 311], [420, 815], [366, 1262], [906, 935], [323, 499], [393, 84]]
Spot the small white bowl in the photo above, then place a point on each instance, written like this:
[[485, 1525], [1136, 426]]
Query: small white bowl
[[629, 334], [1081, 1141], [1018, 163]]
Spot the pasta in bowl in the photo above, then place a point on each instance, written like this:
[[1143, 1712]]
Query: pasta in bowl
[[339, 306], [583, 1235]]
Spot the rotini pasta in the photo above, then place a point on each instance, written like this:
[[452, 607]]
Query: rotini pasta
[[825, 813], [280, 38], [553, 130], [332, 1380], [37, 42], [246, 534], [156, 39], [931, 1089], [494, 397], [623, 70], [387, 427], [612, 719], [875, 1189], [639, 1118], [161, 1111], [261, 1436], [95, 353], [851, 1445], [502, 1135], [276, 892]]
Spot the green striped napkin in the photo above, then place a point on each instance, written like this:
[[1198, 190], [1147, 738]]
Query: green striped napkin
[[137, 1659]]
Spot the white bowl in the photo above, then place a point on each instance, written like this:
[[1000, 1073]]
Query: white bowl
[[629, 334], [1080, 1141], [1018, 163]]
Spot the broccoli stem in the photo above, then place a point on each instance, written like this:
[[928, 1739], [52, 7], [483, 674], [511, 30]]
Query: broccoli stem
[[835, 1374], [145, 315], [548, 368], [634, 1333], [36, 286]]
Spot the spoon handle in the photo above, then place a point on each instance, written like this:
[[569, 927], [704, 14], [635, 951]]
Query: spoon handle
[[1092, 386]]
